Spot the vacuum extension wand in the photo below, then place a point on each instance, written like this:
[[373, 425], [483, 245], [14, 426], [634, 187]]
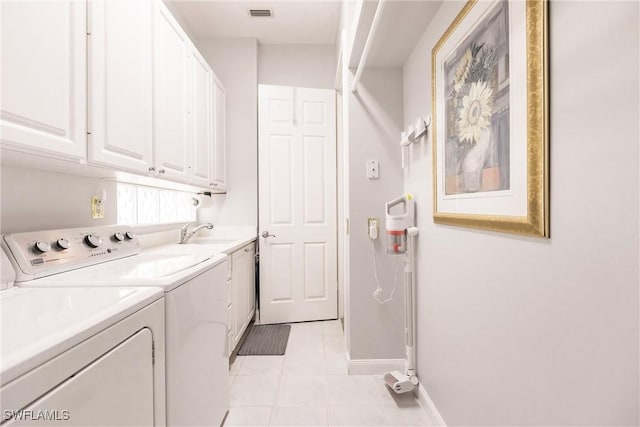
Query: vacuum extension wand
[[410, 305]]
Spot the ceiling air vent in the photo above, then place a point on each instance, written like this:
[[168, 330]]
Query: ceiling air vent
[[260, 13]]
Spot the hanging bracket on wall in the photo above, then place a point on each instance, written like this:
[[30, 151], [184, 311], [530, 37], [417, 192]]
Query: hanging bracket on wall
[[412, 135]]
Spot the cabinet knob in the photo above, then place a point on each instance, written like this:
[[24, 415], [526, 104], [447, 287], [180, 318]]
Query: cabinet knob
[[161, 171], [151, 169]]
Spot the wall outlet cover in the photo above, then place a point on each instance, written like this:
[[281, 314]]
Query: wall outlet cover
[[97, 208], [373, 169], [373, 228]]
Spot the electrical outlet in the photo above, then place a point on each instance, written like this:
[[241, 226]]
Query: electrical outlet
[[97, 208], [373, 227]]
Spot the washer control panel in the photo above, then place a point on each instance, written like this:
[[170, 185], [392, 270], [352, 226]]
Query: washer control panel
[[42, 253]]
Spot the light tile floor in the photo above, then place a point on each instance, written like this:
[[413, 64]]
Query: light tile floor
[[309, 386]]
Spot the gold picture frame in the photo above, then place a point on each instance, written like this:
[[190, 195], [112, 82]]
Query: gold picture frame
[[490, 124]]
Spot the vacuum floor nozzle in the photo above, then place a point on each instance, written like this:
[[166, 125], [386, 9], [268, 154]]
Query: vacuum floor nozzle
[[399, 382]]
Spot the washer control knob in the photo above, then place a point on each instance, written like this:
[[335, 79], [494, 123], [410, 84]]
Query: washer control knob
[[42, 247], [118, 237], [129, 235], [63, 244], [93, 240]]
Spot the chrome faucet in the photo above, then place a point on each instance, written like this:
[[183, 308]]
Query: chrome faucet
[[186, 234]]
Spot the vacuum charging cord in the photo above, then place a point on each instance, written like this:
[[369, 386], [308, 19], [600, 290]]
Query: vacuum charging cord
[[378, 294]]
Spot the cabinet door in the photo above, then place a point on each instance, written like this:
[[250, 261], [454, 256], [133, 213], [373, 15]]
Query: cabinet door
[[43, 84], [120, 84], [250, 281], [172, 52], [219, 164], [239, 318], [202, 113]]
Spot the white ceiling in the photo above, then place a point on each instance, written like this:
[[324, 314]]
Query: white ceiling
[[293, 21]]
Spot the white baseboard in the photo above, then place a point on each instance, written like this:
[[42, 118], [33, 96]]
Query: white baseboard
[[373, 366], [429, 406]]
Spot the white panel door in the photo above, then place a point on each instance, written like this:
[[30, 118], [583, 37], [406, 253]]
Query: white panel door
[[120, 84], [203, 138], [219, 162], [43, 85], [115, 390], [297, 204], [172, 106]]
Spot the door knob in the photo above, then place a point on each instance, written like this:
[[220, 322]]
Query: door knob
[[266, 234]]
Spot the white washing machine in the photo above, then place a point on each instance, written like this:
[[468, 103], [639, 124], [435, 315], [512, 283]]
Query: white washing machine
[[80, 356], [194, 282]]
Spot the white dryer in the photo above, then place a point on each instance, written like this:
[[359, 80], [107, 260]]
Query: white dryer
[[80, 357], [194, 282]]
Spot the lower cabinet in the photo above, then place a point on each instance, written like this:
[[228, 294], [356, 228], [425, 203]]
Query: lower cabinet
[[243, 293]]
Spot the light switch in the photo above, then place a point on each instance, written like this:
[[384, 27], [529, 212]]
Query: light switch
[[373, 169]]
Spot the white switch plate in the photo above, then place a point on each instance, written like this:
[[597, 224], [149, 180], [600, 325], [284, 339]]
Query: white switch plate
[[373, 169]]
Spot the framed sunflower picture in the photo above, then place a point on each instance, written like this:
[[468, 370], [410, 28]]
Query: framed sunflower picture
[[490, 143]]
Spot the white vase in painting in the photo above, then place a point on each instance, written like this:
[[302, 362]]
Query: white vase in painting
[[474, 161]]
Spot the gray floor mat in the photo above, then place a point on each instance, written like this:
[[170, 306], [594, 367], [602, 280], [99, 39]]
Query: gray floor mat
[[265, 340]]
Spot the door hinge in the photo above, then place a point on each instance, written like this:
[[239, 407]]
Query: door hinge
[[153, 352]]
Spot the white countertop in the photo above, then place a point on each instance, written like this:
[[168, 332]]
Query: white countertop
[[39, 324], [224, 239]]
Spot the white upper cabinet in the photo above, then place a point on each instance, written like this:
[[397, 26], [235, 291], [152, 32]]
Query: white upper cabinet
[[115, 83], [219, 164], [120, 84], [202, 120], [43, 84], [172, 106]]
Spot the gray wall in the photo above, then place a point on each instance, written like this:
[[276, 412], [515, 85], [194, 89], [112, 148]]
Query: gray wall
[[523, 331], [234, 60], [301, 65], [374, 125]]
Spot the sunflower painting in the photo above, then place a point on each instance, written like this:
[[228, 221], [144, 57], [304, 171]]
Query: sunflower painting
[[489, 91], [477, 108]]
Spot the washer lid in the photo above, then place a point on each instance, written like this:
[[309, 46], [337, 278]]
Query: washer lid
[[38, 324], [141, 267], [167, 268]]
